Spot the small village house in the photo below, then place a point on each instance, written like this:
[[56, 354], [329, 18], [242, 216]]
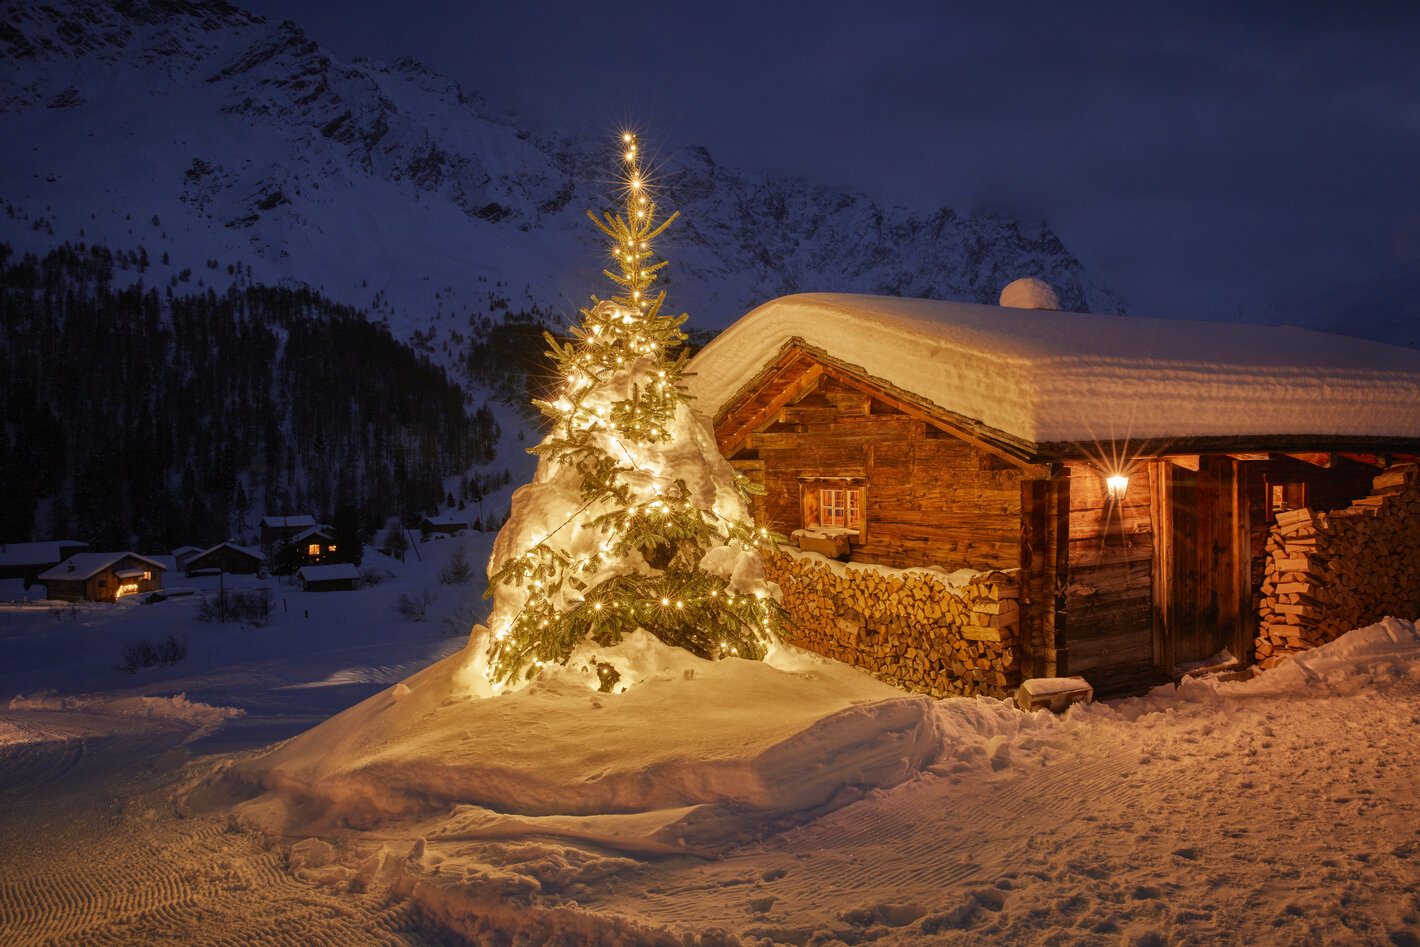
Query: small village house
[[999, 493], [315, 545], [102, 577], [28, 561], [336, 577], [226, 558], [276, 528], [442, 525], [183, 555]]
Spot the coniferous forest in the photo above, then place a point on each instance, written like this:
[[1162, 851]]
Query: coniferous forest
[[140, 418]]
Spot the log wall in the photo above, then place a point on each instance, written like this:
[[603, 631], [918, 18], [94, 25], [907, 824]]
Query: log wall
[[930, 498], [1327, 573], [908, 628]]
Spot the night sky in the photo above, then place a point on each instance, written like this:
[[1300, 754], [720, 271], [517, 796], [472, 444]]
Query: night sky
[[1219, 163]]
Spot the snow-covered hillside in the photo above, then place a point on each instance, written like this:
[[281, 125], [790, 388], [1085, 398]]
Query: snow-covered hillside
[[207, 134]]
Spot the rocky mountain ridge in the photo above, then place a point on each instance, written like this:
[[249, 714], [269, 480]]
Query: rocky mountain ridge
[[205, 134]]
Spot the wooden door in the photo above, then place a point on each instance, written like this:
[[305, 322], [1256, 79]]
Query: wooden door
[[1202, 560]]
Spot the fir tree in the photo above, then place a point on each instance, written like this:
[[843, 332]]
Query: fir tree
[[634, 520]]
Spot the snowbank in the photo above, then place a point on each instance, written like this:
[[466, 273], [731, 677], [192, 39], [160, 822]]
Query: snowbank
[[699, 756], [1049, 376], [204, 718]]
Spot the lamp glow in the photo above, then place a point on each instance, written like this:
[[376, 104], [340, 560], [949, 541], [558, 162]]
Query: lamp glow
[[1116, 485]]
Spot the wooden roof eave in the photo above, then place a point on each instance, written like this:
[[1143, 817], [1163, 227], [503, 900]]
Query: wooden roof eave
[[1261, 446], [799, 366]]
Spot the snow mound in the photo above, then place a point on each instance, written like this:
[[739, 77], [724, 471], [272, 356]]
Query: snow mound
[[1387, 652], [699, 756], [1030, 293], [204, 718]]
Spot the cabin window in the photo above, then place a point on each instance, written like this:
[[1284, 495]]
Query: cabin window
[[833, 504], [840, 508], [313, 549]]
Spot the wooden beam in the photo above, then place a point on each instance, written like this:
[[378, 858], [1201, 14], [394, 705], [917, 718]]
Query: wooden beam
[[1316, 460], [1252, 456], [1186, 461], [1370, 460], [1035, 471], [732, 441]]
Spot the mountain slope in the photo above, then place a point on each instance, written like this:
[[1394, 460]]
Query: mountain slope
[[200, 131]]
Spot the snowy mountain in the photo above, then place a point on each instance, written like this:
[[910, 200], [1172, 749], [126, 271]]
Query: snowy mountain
[[193, 129]]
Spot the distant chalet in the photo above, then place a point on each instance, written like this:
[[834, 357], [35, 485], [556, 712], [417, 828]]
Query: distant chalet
[[938, 436], [28, 561], [102, 577]]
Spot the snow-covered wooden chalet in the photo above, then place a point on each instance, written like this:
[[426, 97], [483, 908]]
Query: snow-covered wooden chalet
[[1010, 493], [225, 557], [102, 577]]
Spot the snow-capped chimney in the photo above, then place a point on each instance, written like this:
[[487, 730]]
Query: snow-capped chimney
[[1030, 293]]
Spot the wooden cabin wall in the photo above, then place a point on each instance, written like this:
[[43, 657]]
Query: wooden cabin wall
[[930, 498], [1108, 596]]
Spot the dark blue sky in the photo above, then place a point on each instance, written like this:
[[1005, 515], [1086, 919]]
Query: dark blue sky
[[1206, 163]]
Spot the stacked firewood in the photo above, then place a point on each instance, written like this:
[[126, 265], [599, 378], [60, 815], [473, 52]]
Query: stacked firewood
[[909, 628], [1330, 572]]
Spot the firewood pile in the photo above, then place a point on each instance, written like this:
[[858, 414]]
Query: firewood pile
[[908, 628], [1330, 572]]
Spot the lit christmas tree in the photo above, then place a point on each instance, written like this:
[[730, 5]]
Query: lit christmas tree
[[633, 519]]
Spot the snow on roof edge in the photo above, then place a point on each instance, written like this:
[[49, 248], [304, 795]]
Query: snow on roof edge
[[1056, 378]]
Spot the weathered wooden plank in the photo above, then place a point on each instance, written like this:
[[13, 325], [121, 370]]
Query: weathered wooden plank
[[754, 415], [1092, 554], [847, 435], [1088, 654], [1085, 524]]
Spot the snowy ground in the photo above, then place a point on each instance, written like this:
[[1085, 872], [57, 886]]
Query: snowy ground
[[795, 802]]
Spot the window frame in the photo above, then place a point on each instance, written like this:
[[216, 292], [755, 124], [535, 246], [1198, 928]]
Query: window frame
[[816, 494]]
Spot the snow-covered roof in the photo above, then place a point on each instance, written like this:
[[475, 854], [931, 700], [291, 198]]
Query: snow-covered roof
[[244, 550], [328, 573], [444, 523], [35, 554], [322, 531], [1046, 377], [288, 522], [86, 565]]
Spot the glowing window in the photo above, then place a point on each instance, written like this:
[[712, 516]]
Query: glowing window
[[840, 508], [313, 549]]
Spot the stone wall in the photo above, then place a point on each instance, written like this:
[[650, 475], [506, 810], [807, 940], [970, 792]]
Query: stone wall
[[909, 628], [1327, 573]]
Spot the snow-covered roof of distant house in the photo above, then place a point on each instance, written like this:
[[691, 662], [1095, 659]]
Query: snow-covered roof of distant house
[[181, 551], [328, 573], [244, 550], [86, 565], [313, 531], [445, 523], [1050, 377], [288, 522], [35, 554]]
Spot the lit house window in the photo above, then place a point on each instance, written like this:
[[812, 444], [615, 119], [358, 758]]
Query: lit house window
[[833, 504], [313, 549], [841, 508]]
